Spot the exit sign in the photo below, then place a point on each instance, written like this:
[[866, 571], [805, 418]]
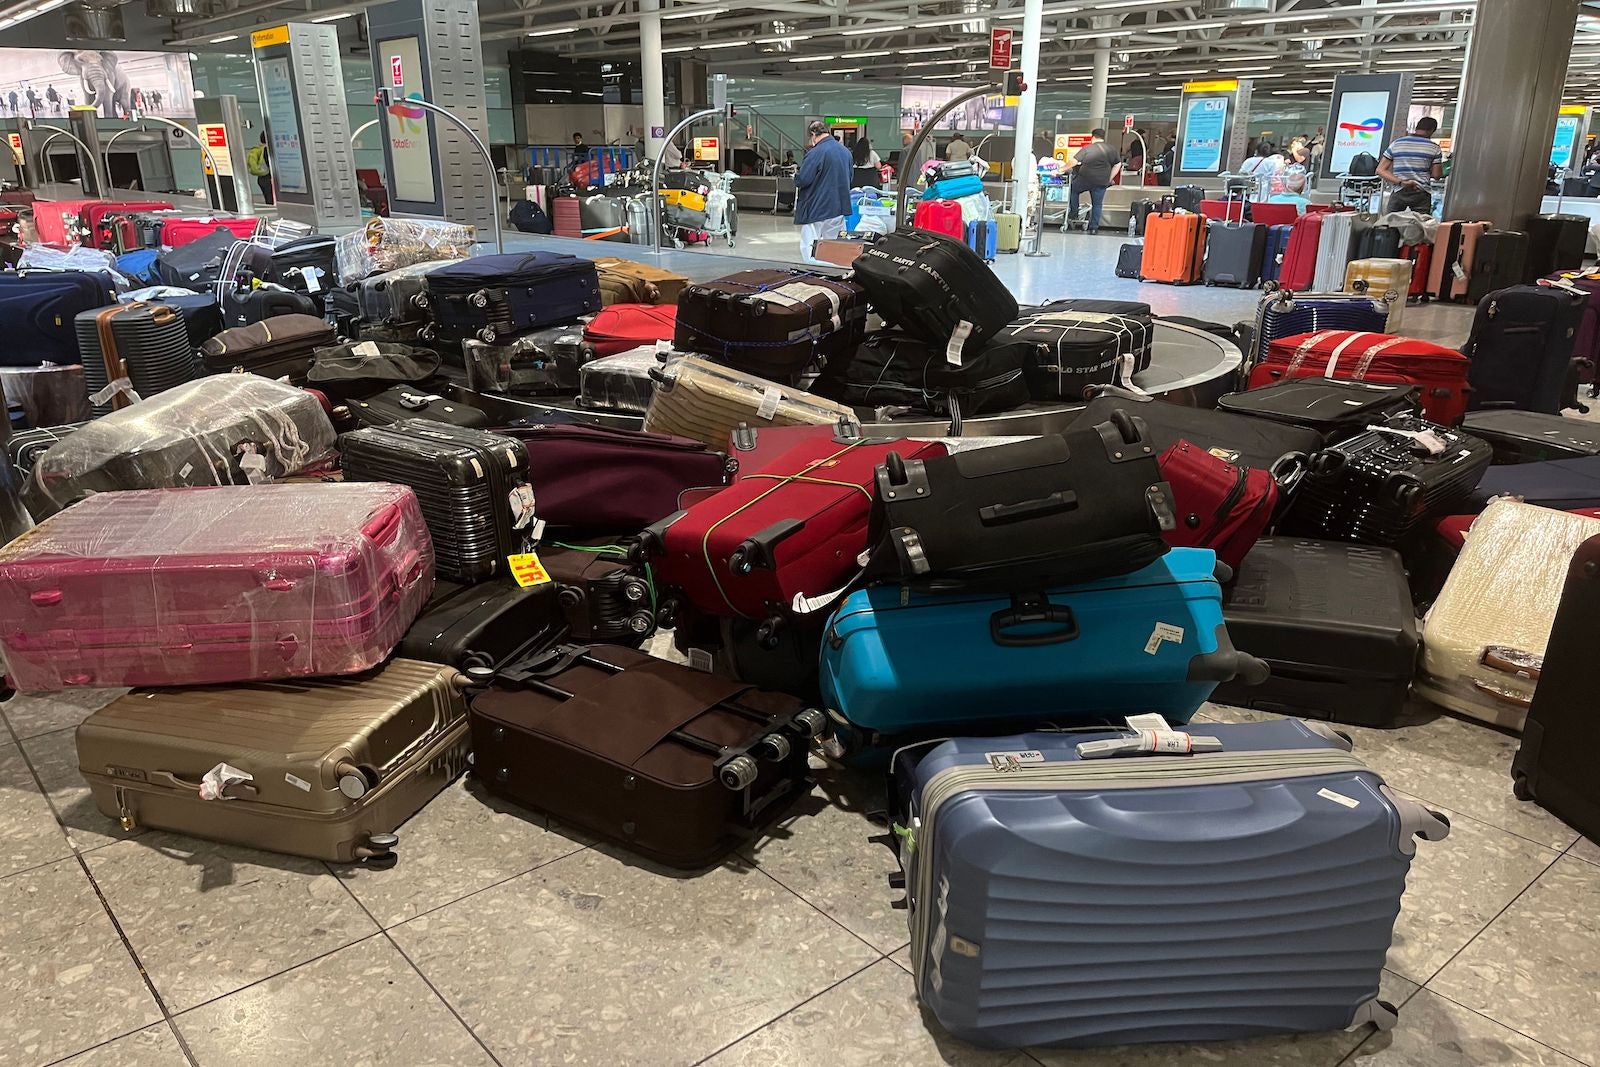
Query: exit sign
[[1000, 49]]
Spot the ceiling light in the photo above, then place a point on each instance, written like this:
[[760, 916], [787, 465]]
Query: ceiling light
[[1288, 92], [335, 17], [842, 70], [224, 39], [812, 59], [784, 37], [1169, 88], [1181, 73], [935, 63], [882, 27], [871, 55], [552, 33], [691, 12], [930, 48]]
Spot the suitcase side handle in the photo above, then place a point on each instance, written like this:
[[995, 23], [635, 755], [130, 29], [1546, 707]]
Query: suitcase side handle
[[1032, 609], [1054, 504]]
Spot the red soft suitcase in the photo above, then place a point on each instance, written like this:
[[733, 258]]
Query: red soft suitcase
[[215, 584], [1219, 505], [941, 216], [793, 529], [1300, 257], [1441, 373], [100, 231], [178, 232], [621, 327], [59, 222], [1174, 248]]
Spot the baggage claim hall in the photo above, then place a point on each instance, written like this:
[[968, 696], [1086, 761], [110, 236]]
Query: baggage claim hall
[[1026, 533]]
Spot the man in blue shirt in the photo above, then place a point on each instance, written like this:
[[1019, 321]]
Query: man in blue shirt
[[1410, 162], [822, 189]]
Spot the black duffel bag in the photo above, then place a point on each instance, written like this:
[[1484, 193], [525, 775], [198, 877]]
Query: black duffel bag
[[363, 368], [892, 369]]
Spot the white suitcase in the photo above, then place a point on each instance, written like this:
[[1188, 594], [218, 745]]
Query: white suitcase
[[1484, 636], [1334, 247]]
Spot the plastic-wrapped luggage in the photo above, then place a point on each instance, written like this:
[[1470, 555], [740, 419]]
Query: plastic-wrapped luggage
[[496, 297], [621, 382], [397, 296], [1056, 899], [775, 323], [221, 430], [1152, 640], [220, 584], [37, 312], [544, 361], [333, 766], [698, 399], [893, 369], [385, 244], [1486, 631], [934, 287], [1439, 373], [24, 447]]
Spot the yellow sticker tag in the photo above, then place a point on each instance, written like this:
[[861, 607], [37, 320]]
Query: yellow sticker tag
[[527, 570]]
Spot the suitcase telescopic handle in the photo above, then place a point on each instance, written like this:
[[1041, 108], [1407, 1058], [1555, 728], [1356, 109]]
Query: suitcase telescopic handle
[[1029, 611]]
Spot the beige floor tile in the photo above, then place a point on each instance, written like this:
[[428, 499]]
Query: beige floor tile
[[154, 1046], [1433, 1032], [1289, 1050], [1455, 888], [868, 1020], [463, 840], [362, 1005], [33, 714], [55, 757], [207, 918], [593, 959], [29, 833], [1585, 849], [826, 854], [1535, 969], [66, 981], [902, 956]]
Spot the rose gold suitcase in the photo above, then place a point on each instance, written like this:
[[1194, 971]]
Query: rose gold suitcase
[[335, 764]]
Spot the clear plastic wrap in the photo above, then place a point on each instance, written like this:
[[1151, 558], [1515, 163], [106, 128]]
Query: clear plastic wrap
[[221, 430], [705, 402], [384, 244], [210, 585], [48, 257], [49, 394], [622, 382], [544, 361]]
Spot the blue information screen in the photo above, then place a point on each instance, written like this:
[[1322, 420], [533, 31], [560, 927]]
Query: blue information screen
[[1566, 141], [1205, 129]]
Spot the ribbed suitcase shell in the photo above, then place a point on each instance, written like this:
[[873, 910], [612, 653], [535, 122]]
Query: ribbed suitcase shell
[[1501, 593], [1221, 895], [1341, 230], [218, 584], [888, 671], [150, 338], [394, 737], [472, 487], [1174, 249], [698, 399], [1284, 314], [1389, 279]]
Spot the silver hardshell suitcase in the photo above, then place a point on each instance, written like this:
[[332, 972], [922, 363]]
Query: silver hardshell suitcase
[[1062, 900], [390, 298]]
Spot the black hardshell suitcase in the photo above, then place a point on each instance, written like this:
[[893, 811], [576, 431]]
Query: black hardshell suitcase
[[241, 307], [1138, 212], [1234, 254], [934, 287], [1379, 486], [1332, 407], [1378, 242], [1521, 347], [1555, 243], [1056, 510], [424, 401], [1533, 436], [540, 362], [675, 764], [1072, 353], [603, 594], [893, 369], [1501, 261], [1235, 439], [150, 348], [772, 323], [1129, 258], [1554, 767], [472, 486], [494, 297], [485, 624], [1333, 620]]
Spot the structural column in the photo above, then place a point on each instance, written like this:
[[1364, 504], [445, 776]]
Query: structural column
[[1102, 75], [1506, 120], [1022, 153], [650, 59]]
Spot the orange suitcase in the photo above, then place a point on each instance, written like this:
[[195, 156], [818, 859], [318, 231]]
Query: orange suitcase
[[1174, 248]]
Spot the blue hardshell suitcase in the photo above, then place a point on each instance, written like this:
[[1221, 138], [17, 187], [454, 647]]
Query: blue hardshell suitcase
[[982, 238], [1055, 900], [1285, 315], [952, 188], [496, 297], [1563, 484], [37, 311], [1272, 259], [898, 665]]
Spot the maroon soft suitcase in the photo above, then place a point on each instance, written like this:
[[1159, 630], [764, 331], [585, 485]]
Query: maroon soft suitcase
[[214, 584], [1219, 505], [792, 530]]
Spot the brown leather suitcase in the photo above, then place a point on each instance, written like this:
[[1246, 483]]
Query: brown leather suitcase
[[335, 764], [603, 594], [676, 764]]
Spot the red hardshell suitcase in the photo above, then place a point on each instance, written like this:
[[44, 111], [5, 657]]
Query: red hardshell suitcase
[[1219, 505], [101, 229], [1299, 267], [1421, 257], [623, 327], [214, 584], [941, 216], [790, 530], [566, 217], [178, 232], [1441, 373]]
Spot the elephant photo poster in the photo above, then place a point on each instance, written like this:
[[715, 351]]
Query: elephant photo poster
[[49, 82]]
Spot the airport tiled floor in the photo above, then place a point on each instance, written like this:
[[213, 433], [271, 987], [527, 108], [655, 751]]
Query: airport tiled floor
[[501, 939]]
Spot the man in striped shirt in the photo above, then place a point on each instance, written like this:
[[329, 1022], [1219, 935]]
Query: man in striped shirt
[[1409, 162]]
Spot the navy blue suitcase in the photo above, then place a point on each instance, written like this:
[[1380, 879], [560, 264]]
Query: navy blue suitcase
[[37, 311], [1563, 484], [1282, 314], [1149, 641], [1059, 900], [493, 297], [201, 315], [1272, 258]]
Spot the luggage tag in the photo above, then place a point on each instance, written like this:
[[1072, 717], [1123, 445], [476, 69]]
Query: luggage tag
[[1149, 742], [1426, 440], [527, 570], [520, 500], [1458, 271], [121, 385], [215, 782], [254, 464], [958, 341], [366, 350]]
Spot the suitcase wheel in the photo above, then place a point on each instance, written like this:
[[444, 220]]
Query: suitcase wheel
[[1520, 788], [479, 300], [775, 747], [419, 300], [738, 773], [427, 333], [487, 335], [1358, 286], [811, 722], [895, 466]]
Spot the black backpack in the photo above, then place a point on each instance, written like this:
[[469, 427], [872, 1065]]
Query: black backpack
[[1363, 165], [529, 217]]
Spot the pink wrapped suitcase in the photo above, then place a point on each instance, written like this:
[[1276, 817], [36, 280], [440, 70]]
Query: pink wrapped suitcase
[[203, 585]]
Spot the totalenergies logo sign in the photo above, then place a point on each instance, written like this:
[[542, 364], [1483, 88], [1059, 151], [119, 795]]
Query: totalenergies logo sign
[[408, 117], [1364, 131]]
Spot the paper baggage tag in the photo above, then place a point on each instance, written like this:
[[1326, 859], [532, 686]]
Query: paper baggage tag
[[958, 340], [366, 350], [1459, 271], [1149, 721], [700, 660], [771, 397], [1338, 798], [521, 501], [313, 278], [1164, 631], [1427, 440], [527, 570]]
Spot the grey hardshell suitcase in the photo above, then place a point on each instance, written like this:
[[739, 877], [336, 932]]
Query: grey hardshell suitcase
[[390, 298], [1058, 900]]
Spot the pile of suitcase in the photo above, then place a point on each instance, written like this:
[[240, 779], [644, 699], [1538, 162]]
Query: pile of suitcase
[[332, 577]]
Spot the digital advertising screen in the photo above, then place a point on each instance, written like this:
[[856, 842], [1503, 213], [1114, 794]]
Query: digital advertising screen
[[410, 143], [277, 102], [1565, 146], [49, 82], [1357, 128], [1205, 134]]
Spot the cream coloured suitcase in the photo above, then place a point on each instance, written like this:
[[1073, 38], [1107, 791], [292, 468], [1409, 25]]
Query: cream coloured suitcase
[[1388, 279], [1484, 636], [706, 402], [335, 764]]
